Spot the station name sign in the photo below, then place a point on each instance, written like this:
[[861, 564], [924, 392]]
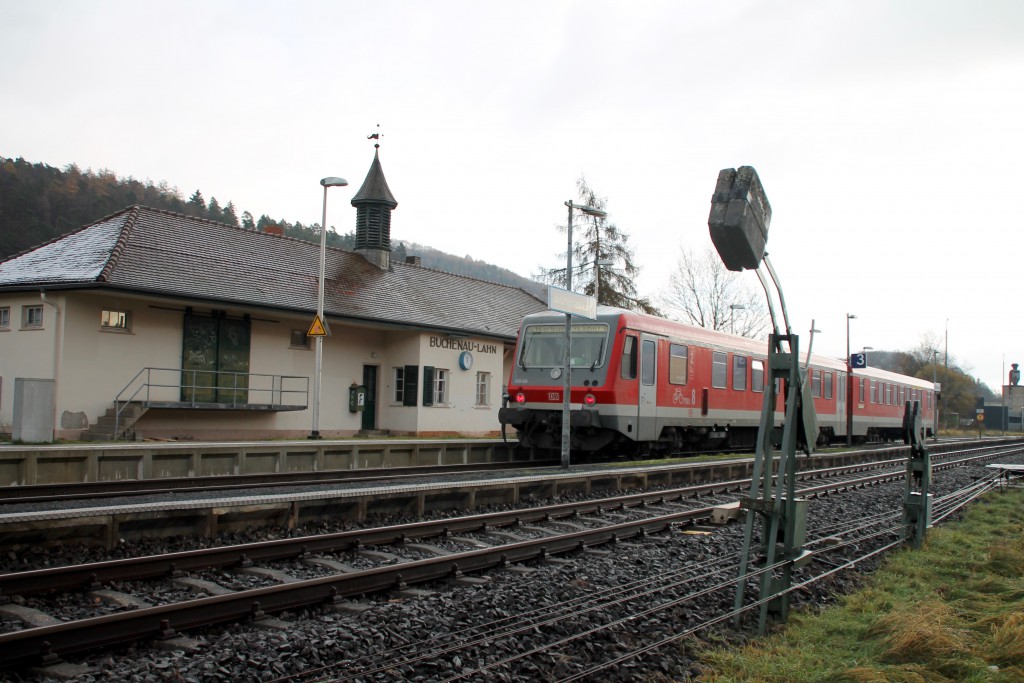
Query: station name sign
[[570, 302], [462, 345]]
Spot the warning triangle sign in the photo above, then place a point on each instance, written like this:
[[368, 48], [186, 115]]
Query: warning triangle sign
[[317, 329]]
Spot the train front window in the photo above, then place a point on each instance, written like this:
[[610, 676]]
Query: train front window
[[543, 344]]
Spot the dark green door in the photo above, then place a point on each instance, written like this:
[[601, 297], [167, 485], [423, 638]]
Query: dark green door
[[215, 360], [370, 407]]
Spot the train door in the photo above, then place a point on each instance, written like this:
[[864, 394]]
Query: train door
[[648, 408]]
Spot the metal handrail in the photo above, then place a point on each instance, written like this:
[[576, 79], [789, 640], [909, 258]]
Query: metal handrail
[[241, 383]]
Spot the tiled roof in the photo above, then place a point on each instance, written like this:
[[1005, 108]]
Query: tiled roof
[[169, 254]]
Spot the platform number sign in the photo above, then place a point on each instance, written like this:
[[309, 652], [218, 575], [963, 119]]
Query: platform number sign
[[858, 360]]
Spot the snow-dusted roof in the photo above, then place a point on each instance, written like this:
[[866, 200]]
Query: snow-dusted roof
[[167, 254], [78, 257]]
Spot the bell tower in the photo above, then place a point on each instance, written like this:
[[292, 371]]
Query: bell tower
[[374, 204]]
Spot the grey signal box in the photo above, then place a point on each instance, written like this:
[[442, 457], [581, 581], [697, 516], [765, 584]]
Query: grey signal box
[[740, 215]]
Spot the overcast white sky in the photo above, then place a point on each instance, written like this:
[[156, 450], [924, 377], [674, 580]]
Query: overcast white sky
[[887, 134]]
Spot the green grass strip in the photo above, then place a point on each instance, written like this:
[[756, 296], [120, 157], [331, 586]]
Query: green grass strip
[[952, 611]]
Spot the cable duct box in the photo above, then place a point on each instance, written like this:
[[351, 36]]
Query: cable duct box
[[739, 218]]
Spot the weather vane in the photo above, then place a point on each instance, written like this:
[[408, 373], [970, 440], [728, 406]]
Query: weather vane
[[375, 136]]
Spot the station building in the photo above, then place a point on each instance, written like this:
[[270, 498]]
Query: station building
[[174, 327]]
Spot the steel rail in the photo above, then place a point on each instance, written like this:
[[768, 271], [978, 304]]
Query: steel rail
[[171, 564], [31, 645]]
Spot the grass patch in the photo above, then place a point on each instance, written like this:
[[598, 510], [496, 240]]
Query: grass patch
[[950, 612]]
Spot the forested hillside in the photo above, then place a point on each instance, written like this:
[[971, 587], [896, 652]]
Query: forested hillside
[[39, 202]]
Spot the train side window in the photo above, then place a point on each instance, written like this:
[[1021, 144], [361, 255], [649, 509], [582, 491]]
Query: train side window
[[629, 357], [828, 385], [678, 360], [647, 363], [874, 390], [861, 391], [719, 369], [739, 373], [816, 383], [757, 375], [888, 394]]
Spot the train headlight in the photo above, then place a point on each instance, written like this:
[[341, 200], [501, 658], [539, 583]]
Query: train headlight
[[590, 400], [520, 397]]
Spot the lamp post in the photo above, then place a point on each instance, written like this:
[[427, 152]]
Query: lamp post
[[326, 182], [732, 316], [935, 403], [849, 384], [567, 343]]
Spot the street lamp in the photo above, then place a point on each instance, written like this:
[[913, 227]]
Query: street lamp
[[732, 316], [566, 354], [849, 384], [935, 404], [326, 182]]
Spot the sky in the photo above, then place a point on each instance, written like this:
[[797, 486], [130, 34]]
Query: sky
[[887, 134]]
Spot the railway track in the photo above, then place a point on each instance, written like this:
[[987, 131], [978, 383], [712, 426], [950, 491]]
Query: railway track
[[356, 562]]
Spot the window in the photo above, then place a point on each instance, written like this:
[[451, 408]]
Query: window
[[32, 316], [757, 375], [405, 384], [816, 383], [874, 390], [299, 339], [440, 386], [647, 363], [828, 385], [398, 382], [542, 345], [719, 369], [677, 363], [5, 317], [888, 394], [115, 320], [483, 389], [629, 358], [739, 373], [861, 391]]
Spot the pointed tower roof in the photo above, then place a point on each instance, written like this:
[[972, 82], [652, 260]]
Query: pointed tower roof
[[375, 188]]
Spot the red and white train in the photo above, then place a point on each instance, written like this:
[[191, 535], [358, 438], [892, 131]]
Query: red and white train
[[642, 384]]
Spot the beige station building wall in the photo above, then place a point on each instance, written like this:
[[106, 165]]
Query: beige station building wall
[[91, 365]]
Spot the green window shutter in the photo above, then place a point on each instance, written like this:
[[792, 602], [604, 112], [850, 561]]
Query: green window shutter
[[411, 376], [428, 385]]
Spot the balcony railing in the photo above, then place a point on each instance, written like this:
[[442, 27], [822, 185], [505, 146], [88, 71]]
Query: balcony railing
[[181, 388]]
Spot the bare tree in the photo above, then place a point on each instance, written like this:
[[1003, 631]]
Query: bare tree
[[597, 240], [703, 292]]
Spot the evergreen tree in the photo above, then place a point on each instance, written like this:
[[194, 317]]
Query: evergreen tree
[[213, 210], [196, 205], [596, 240], [248, 222], [230, 217]]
